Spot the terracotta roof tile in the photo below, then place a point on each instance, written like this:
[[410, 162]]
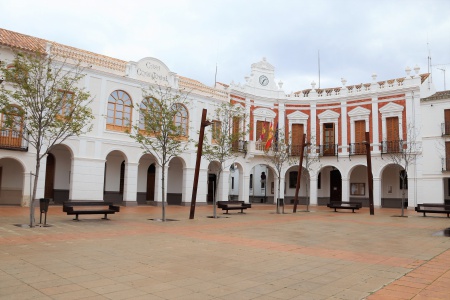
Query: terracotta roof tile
[[438, 96], [21, 41]]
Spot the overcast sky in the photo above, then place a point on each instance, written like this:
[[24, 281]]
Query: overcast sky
[[355, 38]]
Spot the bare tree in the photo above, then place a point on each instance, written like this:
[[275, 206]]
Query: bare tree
[[228, 132], [403, 153], [44, 91], [277, 154], [162, 129]]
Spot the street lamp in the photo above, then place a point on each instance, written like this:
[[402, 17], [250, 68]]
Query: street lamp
[[203, 124]]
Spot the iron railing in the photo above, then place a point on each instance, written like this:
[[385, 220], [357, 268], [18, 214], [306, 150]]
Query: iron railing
[[445, 128], [392, 146], [328, 150], [357, 149]]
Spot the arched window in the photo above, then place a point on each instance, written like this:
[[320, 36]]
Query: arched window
[[181, 118], [144, 108], [12, 127], [119, 111]]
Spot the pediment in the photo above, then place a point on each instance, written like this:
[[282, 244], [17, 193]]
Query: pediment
[[359, 111], [264, 113], [391, 107], [263, 65], [298, 115], [329, 114]]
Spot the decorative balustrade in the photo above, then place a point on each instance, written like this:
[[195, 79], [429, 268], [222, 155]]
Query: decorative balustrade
[[240, 146], [356, 148], [13, 140], [328, 150]]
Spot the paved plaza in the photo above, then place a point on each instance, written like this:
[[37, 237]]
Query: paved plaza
[[319, 254]]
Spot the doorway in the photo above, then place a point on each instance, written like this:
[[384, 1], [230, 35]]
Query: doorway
[[335, 186], [211, 187], [150, 195]]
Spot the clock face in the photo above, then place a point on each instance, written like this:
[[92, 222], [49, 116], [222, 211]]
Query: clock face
[[263, 80]]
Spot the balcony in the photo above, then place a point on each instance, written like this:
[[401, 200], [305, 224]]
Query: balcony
[[328, 150], [240, 146], [392, 146], [357, 149], [13, 140]]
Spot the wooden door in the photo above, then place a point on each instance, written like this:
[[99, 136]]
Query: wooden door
[[392, 136], [328, 139], [297, 139], [150, 196], [360, 136], [447, 156], [335, 185], [49, 177]]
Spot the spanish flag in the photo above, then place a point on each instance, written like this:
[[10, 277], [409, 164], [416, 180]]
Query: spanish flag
[[270, 137], [263, 131]]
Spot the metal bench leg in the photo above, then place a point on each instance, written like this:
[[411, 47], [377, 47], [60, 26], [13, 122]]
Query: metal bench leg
[[76, 218], [106, 217], [335, 209]]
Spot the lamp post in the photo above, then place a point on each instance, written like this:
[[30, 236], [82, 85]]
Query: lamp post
[[369, 171], [203, 124]]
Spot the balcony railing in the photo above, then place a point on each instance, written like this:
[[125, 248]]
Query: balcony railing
[[13, 140], [240, 146], [357, 149], [445, 128], [392, 146], [295, 150], [328, 150]]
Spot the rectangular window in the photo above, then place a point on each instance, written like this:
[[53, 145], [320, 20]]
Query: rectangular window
[[66, 103], [236, 133], [262, 131], [360, 136], [297, 139], [447, 122], [447, 156], [251, 181], [216, 130], [328, 139], [232, 183], [293, 179], [392, 136]]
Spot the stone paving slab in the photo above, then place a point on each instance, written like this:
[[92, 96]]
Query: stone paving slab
[[319, 254]]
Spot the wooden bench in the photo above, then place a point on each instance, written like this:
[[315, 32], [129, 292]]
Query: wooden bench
[[90, 208], [433, 208], [345, 205], [233, 205]]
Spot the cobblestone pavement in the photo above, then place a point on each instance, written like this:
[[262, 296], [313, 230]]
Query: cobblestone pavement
[[319, 254]]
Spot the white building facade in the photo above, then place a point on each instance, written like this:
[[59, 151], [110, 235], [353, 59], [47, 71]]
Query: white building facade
[[106, 164]]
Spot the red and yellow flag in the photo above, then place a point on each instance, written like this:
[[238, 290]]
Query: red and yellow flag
[[270, 137]]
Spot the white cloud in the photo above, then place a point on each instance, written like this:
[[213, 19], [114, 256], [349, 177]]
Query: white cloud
[[355, 38]]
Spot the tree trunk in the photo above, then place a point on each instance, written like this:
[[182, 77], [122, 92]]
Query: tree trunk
[[215, 194], [33, 196], [163, 188]]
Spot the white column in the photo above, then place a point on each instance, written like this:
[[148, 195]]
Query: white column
[[188, 185], [130, 184], [41, 180], [281, 115], [87, 179], [202, 188], [375, 132], [247, 113], [26, 196], [244, 187], [345, 189], [376, 192], [313, 128], [158, 184], [313, 190], [343, 133], [223, 186]]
